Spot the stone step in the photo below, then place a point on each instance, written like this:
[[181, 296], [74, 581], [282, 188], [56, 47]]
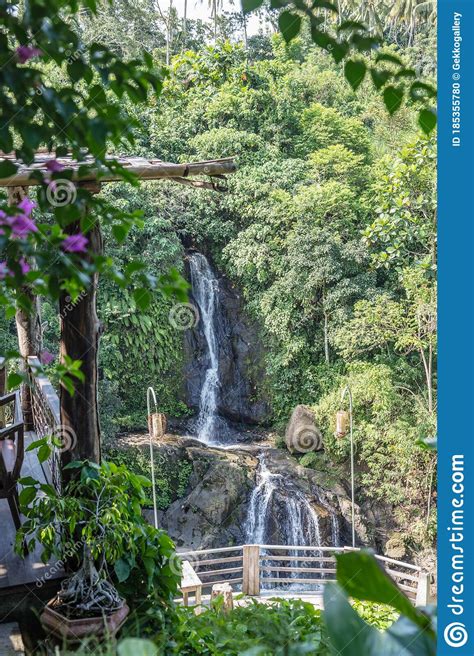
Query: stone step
[[11, 643]]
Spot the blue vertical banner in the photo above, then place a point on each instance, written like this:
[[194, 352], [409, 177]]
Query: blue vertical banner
[[456, 327]]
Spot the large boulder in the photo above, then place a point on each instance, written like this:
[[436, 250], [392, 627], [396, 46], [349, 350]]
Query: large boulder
[[302, 435]]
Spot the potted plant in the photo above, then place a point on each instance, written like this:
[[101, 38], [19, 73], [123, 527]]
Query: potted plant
[[96, 530]]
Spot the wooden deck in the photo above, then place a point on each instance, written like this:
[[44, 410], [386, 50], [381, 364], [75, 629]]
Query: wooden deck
[[22, 578]]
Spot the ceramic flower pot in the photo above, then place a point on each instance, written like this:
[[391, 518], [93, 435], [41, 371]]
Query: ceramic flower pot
[[74, 630]]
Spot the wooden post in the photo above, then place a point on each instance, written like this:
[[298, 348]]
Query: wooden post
[[80, 340], [223, 590], [423, 589], [28, 326], [251, 569]]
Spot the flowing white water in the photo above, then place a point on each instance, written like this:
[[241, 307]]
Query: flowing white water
[[278, 514], [205, 291]]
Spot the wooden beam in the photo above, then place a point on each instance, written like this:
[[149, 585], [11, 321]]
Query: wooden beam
[[144, 169]]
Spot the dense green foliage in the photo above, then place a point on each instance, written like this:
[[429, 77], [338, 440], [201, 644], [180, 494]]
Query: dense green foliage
[[329, 231], [98, 515]]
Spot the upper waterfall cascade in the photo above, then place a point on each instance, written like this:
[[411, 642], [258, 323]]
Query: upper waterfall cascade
[[205, 287]]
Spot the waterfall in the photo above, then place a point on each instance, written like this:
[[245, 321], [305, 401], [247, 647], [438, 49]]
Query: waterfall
[[280, 513], [205, 291]]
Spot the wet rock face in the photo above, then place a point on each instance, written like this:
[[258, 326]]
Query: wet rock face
[[214, 510], [212, 513], [239, 355]]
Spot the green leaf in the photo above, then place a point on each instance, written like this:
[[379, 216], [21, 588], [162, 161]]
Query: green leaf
[[122, 570], [142, 298], [427, 120], [362, 577], [7, 168], [44, 452], [250, 5], [27, 495], [351, 636], [355, 72], [14, 380], [120, 232], [290, 25], [379, 78], [28, 480], [392, 97], [137, 647]]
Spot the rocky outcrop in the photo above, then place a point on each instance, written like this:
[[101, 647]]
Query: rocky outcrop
[[240, 370], [302, 435], [213, 511]]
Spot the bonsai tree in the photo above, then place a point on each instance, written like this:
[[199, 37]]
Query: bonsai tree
[[96, 526]]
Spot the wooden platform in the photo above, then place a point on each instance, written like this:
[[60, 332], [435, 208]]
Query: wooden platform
[[22, 577]]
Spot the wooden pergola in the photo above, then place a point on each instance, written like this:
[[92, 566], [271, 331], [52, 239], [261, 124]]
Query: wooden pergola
[[80, 327]]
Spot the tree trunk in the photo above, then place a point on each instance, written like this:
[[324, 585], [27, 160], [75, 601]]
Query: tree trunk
[[326, 337], [79, 340], [28, 326]]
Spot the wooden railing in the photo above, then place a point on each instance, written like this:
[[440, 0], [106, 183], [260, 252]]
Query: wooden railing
[[46, 414], [253, 568]]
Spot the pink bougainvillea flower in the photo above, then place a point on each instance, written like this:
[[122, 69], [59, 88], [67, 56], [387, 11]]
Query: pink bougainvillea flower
[[75, 243], [22, 225], [24, 53], [24, 266], [26, 205], [54, 166], [46, 357]]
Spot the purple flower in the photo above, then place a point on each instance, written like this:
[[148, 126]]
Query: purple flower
[[24, 266], [26, 205], [54, 166], [75, 243], [24, 53], [46, 357], [22, 225]]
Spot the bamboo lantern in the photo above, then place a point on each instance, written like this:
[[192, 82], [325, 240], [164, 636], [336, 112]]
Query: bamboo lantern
[[342, 423], [157, 425]]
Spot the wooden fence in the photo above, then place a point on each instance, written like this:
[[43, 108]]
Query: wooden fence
[[253, 568], [46, 415]]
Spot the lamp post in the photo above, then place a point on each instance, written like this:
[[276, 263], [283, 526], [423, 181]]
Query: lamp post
[[341, 431]]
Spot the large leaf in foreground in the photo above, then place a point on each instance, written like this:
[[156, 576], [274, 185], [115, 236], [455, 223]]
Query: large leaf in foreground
[[351, 636]]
